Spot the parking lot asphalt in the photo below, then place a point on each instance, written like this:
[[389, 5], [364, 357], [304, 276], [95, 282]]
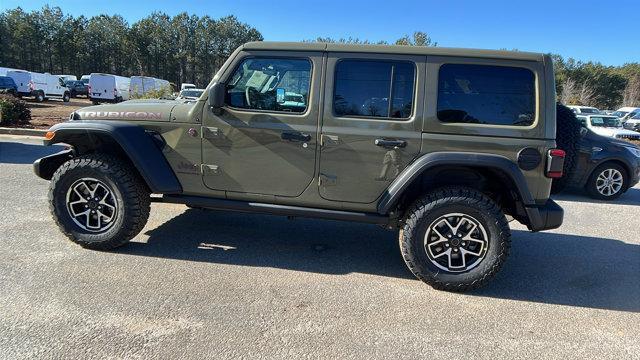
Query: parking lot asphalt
[[212, 284]]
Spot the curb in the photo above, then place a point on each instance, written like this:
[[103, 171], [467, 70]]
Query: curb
[[22, 131]]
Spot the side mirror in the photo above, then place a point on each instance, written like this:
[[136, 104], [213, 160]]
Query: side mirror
[[216, 95]]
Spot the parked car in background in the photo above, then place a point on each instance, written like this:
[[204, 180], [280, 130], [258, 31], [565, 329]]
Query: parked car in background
[[190, 94], [606, 168], [187, 86], [77, 88], [607, 112], [583, 109], [108, 88], [633, 122], [40, 86], [624, 112], [85, 79], [141, 85], [607, 125], [8, 86]]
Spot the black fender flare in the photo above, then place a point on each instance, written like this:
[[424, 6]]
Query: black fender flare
[[138, 145], [394, 192]]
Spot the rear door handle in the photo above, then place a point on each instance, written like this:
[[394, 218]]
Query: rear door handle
[[386, 143], [295, 136]]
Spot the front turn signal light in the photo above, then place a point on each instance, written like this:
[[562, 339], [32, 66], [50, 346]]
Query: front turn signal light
[[49, 135]]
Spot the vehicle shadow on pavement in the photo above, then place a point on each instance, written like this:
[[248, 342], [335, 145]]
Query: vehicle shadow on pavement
[[543, 267], [570, 270], [19, 153], [631, 197]]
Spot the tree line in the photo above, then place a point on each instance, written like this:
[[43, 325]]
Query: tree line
[[189, 48], [182, 48]]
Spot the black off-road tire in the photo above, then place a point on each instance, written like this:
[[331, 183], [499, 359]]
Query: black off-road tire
[[432, 207], [66, 97], [567, 138], [131, 195], [40, 96], [591, 185]]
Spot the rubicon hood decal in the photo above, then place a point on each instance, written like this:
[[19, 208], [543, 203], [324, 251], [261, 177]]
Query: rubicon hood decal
[[138, 115]]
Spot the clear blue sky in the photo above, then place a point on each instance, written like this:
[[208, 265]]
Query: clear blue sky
[[597, 30]]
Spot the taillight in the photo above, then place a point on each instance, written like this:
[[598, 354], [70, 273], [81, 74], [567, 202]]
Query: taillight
[[555, 163], [115, 91], [31, 85], [88, 88]]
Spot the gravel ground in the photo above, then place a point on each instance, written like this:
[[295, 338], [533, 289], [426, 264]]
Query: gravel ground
[[224, 285]]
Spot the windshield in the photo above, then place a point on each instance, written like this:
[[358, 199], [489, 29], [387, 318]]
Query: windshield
[[191, 93], [620, 114], [605, 121], [636, 116], [589, 110]]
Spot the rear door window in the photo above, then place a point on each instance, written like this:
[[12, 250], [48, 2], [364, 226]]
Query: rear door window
[[484, 94], [374, 89]]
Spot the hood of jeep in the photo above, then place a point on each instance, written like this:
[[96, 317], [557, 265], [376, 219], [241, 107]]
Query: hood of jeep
[[149, 110]]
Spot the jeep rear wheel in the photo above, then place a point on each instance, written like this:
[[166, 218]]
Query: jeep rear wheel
[[98, 201], [455, 239]]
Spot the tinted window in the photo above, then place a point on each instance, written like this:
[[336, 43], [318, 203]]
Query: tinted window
[[363, 88], [486, 95], [258, 81]]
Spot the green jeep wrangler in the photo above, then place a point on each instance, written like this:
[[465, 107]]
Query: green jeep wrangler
[[442, 144]]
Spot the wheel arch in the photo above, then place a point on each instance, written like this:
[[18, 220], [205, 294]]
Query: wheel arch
[[495, 175], [127, 141]]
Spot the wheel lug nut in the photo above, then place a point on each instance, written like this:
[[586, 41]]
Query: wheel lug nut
[[463, 243], [449, 236], [447, 245], [86, 205], [455, 250]]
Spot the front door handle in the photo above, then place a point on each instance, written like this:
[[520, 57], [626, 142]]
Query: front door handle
[[295, 136], [386, 143]]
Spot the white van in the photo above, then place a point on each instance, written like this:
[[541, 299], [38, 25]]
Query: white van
[[5, 70], [40, 86], [108, 88], [141, 85]]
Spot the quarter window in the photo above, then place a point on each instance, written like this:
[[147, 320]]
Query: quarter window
[[270, 84], [378, 89], [481, 94]]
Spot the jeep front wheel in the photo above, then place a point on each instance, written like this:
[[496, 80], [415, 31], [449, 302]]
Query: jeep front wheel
[[98, 201], [455, 239]]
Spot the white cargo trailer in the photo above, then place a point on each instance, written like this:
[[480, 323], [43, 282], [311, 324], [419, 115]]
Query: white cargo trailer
[[40, 86], [141, 85], [108, 88]]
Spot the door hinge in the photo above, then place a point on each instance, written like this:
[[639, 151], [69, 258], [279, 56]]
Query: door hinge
[[209, 169], [210, 132], [327, 180]]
